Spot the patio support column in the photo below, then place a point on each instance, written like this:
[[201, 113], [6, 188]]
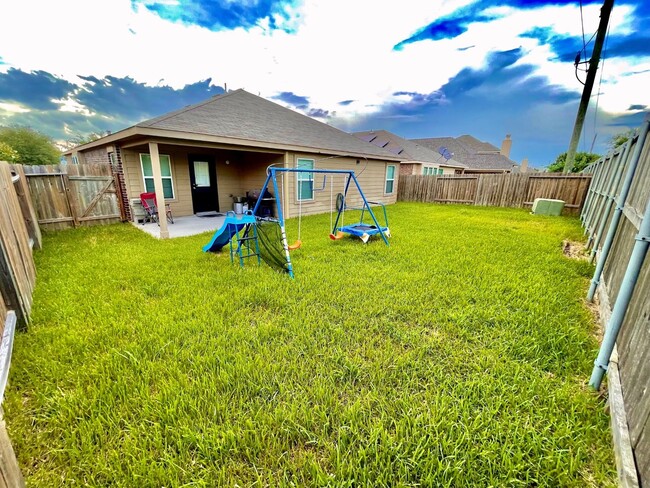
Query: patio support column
[[285, 188], [158, 188]]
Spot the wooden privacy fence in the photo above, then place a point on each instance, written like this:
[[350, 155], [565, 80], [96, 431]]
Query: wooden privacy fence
[[616, 208], [497, 190], [19, 234], [73, 195]]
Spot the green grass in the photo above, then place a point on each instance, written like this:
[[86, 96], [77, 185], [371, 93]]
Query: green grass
[[455, 357]]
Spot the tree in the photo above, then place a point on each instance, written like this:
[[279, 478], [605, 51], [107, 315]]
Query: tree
[[621, 138], [582, 160], [7, 153], [78, 139], [31, 146]]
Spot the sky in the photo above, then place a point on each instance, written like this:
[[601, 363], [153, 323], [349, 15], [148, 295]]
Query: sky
[[416, 68]]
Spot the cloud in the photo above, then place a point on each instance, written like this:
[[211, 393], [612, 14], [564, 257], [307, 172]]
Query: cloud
[[292, 99], [37, 89], [502, 97], [108, 103], [459, 21], [221, 14], [114, 96]]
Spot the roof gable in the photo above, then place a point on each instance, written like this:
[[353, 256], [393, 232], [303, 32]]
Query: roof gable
[[472, 152], [408, 149], [242, 115]]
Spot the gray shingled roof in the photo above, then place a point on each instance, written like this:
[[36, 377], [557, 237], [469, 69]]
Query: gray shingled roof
[[474, 155], [407, 149], [242, 115], [477, 146]]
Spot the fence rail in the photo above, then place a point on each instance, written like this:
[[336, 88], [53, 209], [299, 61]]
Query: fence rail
[[72, 195], [502, 190], [615, 218]]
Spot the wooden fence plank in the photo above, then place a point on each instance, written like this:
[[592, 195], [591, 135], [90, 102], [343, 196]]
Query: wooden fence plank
[[498, 190]]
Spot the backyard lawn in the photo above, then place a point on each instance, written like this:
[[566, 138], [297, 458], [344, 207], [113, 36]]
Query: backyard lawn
[[458, 356]]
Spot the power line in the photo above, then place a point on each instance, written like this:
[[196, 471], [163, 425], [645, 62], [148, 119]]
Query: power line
[[600, 81]]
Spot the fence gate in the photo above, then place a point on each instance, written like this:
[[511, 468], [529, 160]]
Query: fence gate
[[73, 195]]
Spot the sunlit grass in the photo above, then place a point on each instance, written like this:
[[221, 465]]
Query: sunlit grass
[[455, 357]]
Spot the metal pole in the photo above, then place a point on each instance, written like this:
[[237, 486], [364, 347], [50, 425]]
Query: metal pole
[[608, 172], [283, 232], [593, 191], [620, 204], [589, 84], [372, 214], [611, 197], [622, 300]]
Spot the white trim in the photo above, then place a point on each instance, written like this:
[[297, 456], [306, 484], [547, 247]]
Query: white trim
[[311, 178], [386, 179], [170, 177]]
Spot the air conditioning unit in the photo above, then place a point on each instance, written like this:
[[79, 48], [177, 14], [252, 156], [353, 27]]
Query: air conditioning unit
[[547, 206]]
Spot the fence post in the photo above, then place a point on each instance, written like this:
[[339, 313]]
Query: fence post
[[29, 214], [72, 208]]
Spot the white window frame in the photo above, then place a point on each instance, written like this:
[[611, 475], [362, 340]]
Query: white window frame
[[170, 177], [301, 177], [386, 179]]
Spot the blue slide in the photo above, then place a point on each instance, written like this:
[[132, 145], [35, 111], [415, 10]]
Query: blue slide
[[230, 227]]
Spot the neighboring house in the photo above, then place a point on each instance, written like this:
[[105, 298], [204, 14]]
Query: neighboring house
[[416, 159], [480, 157], [203, 155]]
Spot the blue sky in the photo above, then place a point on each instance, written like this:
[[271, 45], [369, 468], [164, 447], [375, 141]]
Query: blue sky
[[417, 68]]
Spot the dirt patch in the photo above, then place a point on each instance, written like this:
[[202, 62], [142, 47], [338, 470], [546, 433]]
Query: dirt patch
[[575, 250]]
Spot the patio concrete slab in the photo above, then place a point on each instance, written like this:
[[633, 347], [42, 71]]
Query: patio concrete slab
[[185, 226]]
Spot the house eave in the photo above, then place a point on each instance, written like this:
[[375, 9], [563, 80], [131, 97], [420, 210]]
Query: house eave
[[230, 141]]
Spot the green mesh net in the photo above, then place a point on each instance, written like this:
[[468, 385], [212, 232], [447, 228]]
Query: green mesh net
[[269, 237]]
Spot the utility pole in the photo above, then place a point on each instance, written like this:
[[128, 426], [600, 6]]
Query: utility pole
[[605, 10]]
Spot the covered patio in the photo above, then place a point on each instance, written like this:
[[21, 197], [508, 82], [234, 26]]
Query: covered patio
[[185, 226]]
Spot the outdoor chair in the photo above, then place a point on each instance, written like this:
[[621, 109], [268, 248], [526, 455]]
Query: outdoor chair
[[150, 206]]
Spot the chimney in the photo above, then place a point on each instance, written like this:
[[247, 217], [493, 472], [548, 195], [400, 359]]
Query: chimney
[[524, 166], [506, 145]]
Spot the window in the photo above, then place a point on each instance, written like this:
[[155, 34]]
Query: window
[[165, 170], [390, 179], [440, 171], [305, 181], [202, 174]]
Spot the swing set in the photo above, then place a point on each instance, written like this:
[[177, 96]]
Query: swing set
[[367, 226], [266, 237]]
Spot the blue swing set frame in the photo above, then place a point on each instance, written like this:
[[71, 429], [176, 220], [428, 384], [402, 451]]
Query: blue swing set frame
[[359, 229]]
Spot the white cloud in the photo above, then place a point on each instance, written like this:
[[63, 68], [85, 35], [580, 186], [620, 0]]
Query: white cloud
[[341, 49], [13, 108]]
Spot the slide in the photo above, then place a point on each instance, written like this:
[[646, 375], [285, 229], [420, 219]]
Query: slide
[[230, 227]]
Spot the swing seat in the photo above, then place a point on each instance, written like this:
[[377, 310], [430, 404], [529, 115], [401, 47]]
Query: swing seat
[[295, 245], [337, 236]]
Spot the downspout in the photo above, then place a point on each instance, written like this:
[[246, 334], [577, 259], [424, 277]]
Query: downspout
[[623, 299], [620, 204]]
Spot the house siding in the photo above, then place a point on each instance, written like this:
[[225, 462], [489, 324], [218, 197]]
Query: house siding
[[371, 175], [246, 171], [243, 172]]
